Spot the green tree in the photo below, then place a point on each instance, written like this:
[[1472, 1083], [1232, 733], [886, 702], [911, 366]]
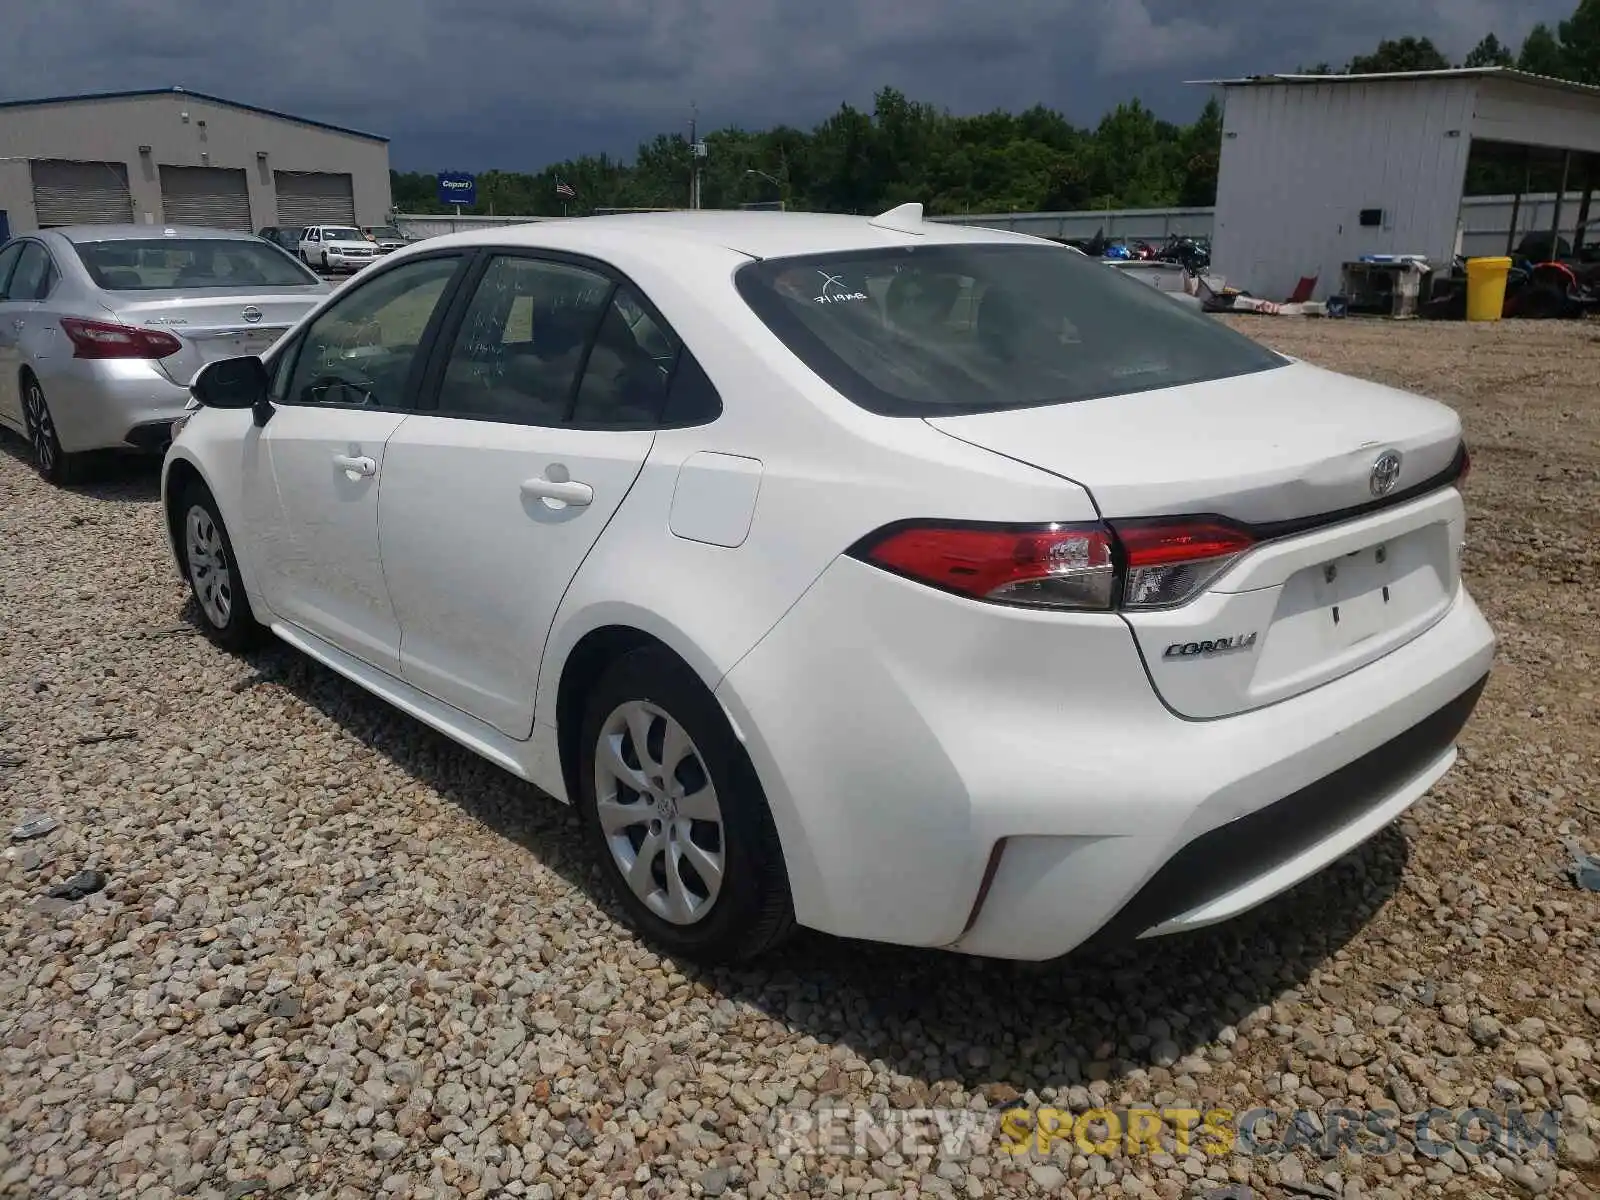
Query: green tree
[[1580, 43], [1399, 54], [1541, 52], [1490, 53], [856, 161]]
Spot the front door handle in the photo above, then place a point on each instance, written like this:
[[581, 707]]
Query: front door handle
[[564, 491], [355, 465], [19, 325]]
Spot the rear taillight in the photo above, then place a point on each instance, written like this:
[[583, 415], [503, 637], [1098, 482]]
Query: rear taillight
[[102, 339], [1133, 565], [1170, 562], [1052, 566]]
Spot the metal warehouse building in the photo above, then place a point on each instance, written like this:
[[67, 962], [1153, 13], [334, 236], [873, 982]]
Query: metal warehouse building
[[171, 156], [1318, 170]]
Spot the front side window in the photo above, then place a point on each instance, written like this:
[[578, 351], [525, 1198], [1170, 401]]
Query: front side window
[[521, 344], [156, 264], [362, 350], [925, 331]]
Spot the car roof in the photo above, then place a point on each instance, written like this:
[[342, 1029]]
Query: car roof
[[758, 234], [144, 233]]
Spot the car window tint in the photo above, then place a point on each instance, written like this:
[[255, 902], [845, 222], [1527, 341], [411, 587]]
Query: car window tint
[[8, 259], [522, 341], [157, 264], [625, 380], [940, 329], [692, 399], [31, 274], [361, 350]]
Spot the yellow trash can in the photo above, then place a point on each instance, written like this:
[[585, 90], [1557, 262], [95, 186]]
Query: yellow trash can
[[1486, 288]]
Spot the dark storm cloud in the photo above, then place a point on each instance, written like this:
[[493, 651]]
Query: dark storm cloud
[[517, 83]]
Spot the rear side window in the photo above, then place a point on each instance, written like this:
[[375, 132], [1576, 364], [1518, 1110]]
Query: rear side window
[[33, 276], [922, 331], [139, 265]]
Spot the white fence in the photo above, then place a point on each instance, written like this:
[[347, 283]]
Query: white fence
[[432, 225], [1485, 220]]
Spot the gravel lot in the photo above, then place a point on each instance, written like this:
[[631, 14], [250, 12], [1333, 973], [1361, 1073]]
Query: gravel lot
[[337, 956]]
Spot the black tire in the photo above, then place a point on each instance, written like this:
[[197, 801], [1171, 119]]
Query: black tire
[[53, 463], [325, 260], [232, 625], [752, 912]]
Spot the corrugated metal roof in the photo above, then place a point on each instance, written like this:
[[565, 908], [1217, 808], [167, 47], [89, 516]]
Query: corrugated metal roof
[[178, 91], [1509, 73]]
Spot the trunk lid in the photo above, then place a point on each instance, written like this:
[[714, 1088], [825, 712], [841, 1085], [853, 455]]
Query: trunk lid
[[223, 323], [1272, 446], [1341, 575]]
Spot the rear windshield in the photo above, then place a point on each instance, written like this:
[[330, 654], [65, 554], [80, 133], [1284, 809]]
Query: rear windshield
[[923, 331], [160, 263]]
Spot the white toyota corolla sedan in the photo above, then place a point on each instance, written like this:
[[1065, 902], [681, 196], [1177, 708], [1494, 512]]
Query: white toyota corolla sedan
[[911, 582]]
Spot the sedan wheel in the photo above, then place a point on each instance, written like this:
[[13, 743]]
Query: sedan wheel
[[674, 807], [212, 568], [48, 458], [208, 567], [658, 808]]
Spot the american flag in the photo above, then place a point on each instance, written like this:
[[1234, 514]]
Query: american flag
[[564, 189]]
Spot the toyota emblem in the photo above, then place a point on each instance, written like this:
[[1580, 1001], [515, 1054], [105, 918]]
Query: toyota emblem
[[251, 314], [1385, 472]]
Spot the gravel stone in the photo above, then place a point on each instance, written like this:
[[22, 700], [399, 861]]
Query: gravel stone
[[337, 956]]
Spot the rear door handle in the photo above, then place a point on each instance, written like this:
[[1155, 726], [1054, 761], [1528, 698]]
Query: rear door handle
[[566, 491], [357, 465]]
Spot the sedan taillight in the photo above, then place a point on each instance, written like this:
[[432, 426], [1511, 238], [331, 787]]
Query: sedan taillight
[[1129, 565], [102, 339]]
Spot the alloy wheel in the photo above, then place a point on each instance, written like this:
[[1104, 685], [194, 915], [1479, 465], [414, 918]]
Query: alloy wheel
[[208, 566], [659, 813], [41, 429]]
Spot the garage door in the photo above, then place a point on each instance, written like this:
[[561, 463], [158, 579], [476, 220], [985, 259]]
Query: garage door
[[211, 197], [314, 198], [80, 193]]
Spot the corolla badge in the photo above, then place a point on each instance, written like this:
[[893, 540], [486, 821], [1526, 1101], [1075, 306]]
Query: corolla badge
[[252, 314], [1385, 473]]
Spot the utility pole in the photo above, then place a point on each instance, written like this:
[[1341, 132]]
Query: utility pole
[[694, 155]]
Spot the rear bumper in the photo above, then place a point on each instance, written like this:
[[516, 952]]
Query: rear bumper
[[1006, 783], [1238, 865], [111, 404]]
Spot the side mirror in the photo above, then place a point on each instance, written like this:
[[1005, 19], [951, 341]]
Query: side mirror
[[234, 383]]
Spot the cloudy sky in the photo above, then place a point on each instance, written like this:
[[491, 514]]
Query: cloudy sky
[[514, 84]]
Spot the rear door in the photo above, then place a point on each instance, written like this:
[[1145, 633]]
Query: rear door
[[10, 362], [547, 405], [24, 323], [312, 474]]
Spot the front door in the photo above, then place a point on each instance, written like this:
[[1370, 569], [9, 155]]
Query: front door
[[547, 407], [312, 475]]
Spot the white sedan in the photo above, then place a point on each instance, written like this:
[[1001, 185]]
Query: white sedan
[[906, 581]]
